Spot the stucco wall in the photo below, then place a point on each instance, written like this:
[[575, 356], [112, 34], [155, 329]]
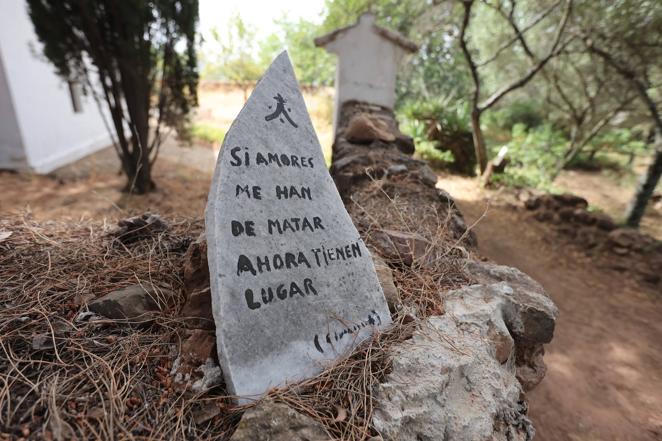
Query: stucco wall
[[367, 65], [52, 133], [12, 154]]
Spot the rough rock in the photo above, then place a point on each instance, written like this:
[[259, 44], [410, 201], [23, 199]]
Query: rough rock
[[400, 246], [405, 144], [629, 239], [604, 222], [197, 346], [140, 227], [427, 176], [555, 201], [364, 128], [385, 276], [197, 312], [197, 358], [531, 314], [270, 421], [134, 302], [463, 364]]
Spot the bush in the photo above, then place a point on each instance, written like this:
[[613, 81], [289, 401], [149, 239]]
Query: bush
[[524, 112], [207, 133], [534, 154], [442, 126]]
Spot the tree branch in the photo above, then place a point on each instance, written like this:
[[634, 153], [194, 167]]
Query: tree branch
[[556, 48], [467, 55]]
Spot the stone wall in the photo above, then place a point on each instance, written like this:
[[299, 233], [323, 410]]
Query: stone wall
[[465, 372]]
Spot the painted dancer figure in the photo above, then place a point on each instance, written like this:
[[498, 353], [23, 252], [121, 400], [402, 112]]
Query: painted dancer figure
[[280, 109]]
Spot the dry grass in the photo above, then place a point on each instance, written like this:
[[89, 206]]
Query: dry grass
[[407, 206], [66, 378], [341, 398]]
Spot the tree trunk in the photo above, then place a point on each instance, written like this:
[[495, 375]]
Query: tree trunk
[[645, 189], [143, 182], [479, 141]]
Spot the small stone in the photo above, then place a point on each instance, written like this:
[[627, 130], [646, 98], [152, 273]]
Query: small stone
[[503, 343], [397, 169], [42, 342], [405, 144], [205, 413], [133, 302], [140, 227], [197, 310], [629, 239], [621, 251], [532, 203], [363, 128], [566, 213], [587, 237], [400, 246], [583, 217], [544, 215], [211, 376], [445, 198], [270, 421], [427, 176], [604, 222], [198, 346], [385, 276], [571, 200]]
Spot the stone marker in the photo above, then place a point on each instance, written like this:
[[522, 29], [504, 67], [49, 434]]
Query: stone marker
[[293, 285]]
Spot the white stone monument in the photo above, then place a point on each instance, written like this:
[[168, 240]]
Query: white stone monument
[[368, 59], [293, 285]]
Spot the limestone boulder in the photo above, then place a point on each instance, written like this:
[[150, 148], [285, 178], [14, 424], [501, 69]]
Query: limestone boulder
[[455, 378], [531, 314]]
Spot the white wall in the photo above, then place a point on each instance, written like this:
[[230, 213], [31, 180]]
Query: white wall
[[52, 133], [367, 65], [12, 155]]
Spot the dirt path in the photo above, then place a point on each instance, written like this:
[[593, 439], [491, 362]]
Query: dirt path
[[604, 379]]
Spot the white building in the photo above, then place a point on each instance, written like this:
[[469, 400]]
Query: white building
[[44, 123], [368, 59]]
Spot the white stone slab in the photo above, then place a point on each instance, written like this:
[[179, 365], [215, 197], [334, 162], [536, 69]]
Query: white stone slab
[[293, 285]]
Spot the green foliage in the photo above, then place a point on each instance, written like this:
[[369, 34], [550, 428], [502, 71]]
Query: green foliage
[[534, 154], [442, 126], [240, 57], [613, 149], [314, 66], [525, 112], [234, 58], [143, 55], [425, 148], [450, 116], [207, 133]]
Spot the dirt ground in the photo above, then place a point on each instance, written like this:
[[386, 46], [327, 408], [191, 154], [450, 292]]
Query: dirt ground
[[604, 379], [605, 364]]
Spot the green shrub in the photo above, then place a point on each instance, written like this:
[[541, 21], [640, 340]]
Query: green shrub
[[207, 133], [443, 126], [523, 112], [533, 156]]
